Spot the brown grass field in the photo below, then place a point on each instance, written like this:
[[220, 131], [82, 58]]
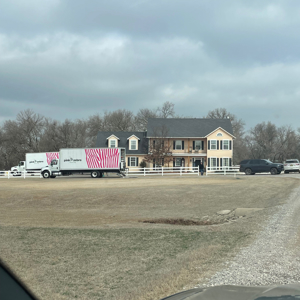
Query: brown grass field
[[83, 238]]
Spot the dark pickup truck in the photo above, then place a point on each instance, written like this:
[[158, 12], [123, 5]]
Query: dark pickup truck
[[252, 166]]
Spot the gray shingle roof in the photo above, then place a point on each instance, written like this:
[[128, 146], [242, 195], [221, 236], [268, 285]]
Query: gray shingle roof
[[186, 127], [123, 142]]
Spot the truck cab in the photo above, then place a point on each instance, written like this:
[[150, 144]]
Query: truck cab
[[19, 168], [52, 170]]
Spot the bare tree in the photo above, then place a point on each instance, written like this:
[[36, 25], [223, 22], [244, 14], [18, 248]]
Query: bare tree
[[265, 140], [119, 120], [141, 119], [94, 125], [31, 127], [167, 110], [159, 151]]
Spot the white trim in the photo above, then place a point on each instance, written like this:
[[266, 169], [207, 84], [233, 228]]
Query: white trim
[[113, 136], [137, 145], [133, 136], [222, 129], [109, 143], [189, 154], [211, 144]]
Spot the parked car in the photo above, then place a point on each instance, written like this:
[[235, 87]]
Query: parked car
[[291, 165], [252, 166]]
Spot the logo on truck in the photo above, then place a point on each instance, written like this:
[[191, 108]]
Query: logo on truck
[[36, 161], [72, 160]]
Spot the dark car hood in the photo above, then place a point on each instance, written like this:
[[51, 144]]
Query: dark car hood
[[233, 292]]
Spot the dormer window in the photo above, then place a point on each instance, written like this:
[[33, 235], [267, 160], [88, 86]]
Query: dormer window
[[112, 143], [219, 134], [133, 144]]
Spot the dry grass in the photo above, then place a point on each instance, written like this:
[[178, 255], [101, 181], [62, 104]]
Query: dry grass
[[79, 238]]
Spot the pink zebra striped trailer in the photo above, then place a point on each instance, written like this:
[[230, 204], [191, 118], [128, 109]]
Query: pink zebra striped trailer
[[92, 161]]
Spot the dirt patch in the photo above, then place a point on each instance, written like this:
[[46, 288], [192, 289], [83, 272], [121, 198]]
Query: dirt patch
[[183, 222]]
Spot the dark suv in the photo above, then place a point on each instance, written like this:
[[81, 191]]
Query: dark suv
[[252, 166]]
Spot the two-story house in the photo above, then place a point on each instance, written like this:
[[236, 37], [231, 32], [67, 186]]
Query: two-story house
[[187, 141]]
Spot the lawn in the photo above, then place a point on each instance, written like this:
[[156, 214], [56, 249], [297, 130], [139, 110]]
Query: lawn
[[83, 238]]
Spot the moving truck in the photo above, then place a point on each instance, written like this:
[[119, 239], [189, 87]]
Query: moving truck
[[93, 161], [35, 161]]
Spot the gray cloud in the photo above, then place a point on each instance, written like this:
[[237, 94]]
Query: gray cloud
[[69, 59]]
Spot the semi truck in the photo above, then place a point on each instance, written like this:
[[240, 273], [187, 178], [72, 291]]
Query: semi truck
[[92, 161], [35, 161]]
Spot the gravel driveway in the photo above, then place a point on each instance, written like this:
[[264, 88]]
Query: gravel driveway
[[273, 258]]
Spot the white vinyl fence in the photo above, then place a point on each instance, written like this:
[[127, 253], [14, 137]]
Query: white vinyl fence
[[233, 170], [23, 174], [163, 171]]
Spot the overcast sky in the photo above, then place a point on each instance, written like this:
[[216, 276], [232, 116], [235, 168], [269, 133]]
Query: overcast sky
[[72, 59]]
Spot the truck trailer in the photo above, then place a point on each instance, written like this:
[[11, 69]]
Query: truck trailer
[[93, 161], [35, 161]]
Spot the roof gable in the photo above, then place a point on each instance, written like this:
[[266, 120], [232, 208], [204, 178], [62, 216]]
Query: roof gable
[[133, 135], [112, 136], [220, 128]]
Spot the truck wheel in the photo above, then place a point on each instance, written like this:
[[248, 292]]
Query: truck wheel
[[248, 171], [46, 174], [95, 174], [273, 171]]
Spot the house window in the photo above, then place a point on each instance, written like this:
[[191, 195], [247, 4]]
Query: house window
[[225, 162], [213, 144], [198, 145], [225, 144], [177, 162], [219, 134], [133, 145], [213, 163], [132, 162], [178, 145], [112, 143]]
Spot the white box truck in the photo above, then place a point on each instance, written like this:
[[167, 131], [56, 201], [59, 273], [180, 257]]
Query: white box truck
[[35, 161], [93, 161]]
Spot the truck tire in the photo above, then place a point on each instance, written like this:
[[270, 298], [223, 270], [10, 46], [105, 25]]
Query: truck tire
[[273, 171], [248, 171], [95, 174], [46, 174], [52, 176]]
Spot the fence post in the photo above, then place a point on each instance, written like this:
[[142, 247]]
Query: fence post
[[162, 171], [8, 174], [225, 171], [206, 170], [24, 174], [144, 172], [198, 170], [180, 171]]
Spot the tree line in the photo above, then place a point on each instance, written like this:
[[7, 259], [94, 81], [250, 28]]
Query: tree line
[[32, 132]]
